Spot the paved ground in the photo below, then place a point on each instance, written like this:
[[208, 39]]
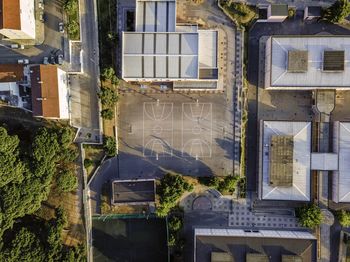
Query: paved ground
[[186, 133], [296, 3], [276, 104]]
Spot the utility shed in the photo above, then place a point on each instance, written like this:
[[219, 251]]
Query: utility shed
[[291, 258], [297, 61], [281, 160], [221, 257], [251, 257], [333, 60]]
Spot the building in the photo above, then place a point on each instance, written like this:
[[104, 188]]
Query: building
[[341, 177], [17, 19], [312, 12], [160, 50], [307, 62], [285, 160], [277, 12], [240, 245], [50, 94], [133, 192], [14, 88]]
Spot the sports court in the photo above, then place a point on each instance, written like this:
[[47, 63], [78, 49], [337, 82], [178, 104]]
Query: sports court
[[187, 134], [132, 239]]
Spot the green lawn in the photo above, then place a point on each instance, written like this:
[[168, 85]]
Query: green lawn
[[95, 153]]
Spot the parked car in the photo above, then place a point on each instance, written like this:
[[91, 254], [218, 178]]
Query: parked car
[[41, 6], [60, 59], [61, 27], [26, 61], [42, 16], [52, 59], [20, 61], [46, 60], [14, 46]]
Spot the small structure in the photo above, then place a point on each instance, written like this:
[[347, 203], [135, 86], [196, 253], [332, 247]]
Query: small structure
[[221, 257], [17, 19], [307, 62], [254, 257], [285, 160], [277, 12], [291, 258], [312, 12], [49, 92], [133, 192]]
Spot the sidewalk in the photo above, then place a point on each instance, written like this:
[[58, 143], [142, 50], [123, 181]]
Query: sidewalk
[[300, 4]]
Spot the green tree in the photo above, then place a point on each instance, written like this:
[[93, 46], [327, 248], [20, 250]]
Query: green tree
[[70, 6], [344, 218], [337, 12], [108, 96], [88, 162], [171, 188], [67, 181], [229, 184], [107, 114], [108, 73], [11, 167], [109, 145], [309, 215]]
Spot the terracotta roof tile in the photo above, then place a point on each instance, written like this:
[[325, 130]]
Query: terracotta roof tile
[[11, 73], [10, 14]]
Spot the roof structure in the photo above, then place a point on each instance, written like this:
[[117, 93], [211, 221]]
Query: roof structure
[[11, 73], [281, 160], [221, 257], [296, 186], [252, 257], [314, 11], [297, 61], [279, 9], [324, 161], [327, 64], [10, 14], [341, 178], [49, 95], [133, 191], [243, 245], [291, 258]]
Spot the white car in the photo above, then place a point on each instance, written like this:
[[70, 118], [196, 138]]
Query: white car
[[46, 60]]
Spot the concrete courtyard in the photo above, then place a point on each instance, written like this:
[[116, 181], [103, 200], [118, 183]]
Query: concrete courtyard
[[191, 134]]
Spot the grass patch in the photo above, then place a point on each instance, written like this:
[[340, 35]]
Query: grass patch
[[241, 13], [71, 7], [93, 158]]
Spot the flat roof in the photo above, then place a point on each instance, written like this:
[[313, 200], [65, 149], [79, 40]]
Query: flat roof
[[251, 257], [279, 9], [341, 178], [314, 11], [291, 258], [301, 133], [155, 16], [238, 243], [281, 160], [315, 77], [221, 257], [133, 191], [208, 48], [160, 55]]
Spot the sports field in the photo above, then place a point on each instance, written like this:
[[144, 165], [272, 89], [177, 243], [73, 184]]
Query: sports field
[[129, 240]]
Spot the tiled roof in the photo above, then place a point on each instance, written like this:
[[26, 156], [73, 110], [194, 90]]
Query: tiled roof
[[10, 14]]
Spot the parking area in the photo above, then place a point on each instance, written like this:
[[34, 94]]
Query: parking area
[[186, 133]]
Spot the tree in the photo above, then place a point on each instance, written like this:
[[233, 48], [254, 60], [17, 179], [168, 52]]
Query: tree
[[67, 181], [70, 6], [171, 188], [88, 162], [229, 184], [309, 215], [107, 114], [344, 218], [337, 12], [73, 28], [109, 145], [108, 96], [108, 73], [11, 167]]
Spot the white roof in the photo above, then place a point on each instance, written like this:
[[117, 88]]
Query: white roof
[[341, 178], [208, 48], [259, 233], [301, 132], [315, 77], [324, 161], [160, 55], [155, 16]]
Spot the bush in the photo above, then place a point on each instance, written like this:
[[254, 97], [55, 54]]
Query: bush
[[70, 6], [108, 73], [108, 97], [175, 224], [109, 145], [337, 12], [309, 215], [73, 29], [88, 162], [343, 217], [67, 181], [209, 181], [291, 12], [229, 184], [107, 114]]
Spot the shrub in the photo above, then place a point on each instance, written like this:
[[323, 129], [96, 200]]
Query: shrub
[[291, 12], [229, 184], [209, 181], [107, 114], [73, 28], [109, 145], [108, 97], [344, 218], [67, 181], [108, 73], [309, 215], [175, 224]]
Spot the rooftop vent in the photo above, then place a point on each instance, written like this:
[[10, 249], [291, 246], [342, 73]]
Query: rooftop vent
[[297, 61], [333, 60]]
